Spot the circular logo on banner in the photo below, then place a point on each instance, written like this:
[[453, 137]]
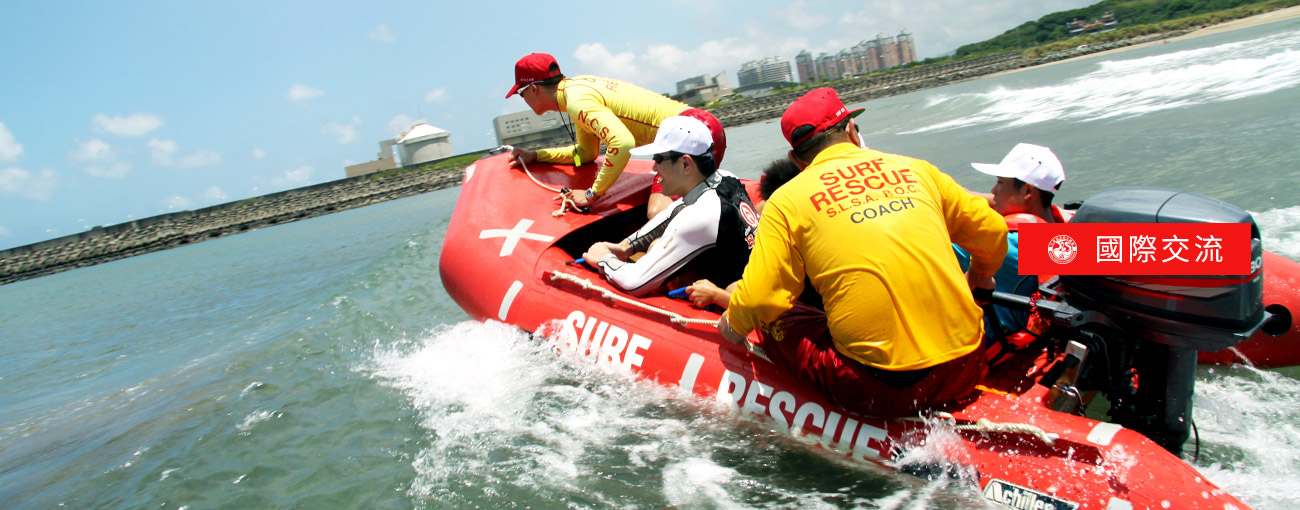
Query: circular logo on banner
[[1061, 249], [748, 214]]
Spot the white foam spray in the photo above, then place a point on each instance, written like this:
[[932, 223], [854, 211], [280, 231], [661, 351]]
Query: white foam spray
[[1130, 88]]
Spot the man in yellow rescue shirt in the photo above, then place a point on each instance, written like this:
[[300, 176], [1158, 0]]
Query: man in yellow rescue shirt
[[619, 114], [872, 232]]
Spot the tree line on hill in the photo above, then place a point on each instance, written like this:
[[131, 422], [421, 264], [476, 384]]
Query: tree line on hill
[[1129, 13]]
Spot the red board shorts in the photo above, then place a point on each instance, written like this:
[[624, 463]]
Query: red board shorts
[[808, 352], [719, 141]]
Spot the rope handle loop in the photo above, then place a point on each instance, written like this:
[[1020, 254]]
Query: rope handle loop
[[565, 202]]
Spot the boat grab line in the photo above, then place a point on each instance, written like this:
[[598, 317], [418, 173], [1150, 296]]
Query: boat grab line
[[673, 317], [984, 425]]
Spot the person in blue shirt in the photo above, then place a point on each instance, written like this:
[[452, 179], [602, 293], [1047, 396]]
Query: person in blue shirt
[[1028, 178]]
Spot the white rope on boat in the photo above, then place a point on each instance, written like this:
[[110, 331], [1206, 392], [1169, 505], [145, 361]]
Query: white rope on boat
[[985, 425], [565, 201], [672, 316]]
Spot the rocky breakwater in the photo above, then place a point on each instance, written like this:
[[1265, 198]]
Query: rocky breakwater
[[104, 244]]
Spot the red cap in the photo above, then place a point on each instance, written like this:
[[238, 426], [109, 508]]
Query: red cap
[[534, 67], [820, 108]]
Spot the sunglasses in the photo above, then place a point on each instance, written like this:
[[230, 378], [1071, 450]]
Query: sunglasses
[[672, 157]]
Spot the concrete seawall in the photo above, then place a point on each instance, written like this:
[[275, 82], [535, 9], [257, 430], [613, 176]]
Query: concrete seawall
[[105, 244]]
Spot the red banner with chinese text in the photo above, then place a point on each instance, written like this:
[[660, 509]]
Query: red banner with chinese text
[[1135, 248]]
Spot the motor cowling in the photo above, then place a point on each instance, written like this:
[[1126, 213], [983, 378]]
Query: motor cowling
[[1201, 312]]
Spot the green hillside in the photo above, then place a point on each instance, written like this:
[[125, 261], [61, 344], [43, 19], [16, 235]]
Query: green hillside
[[1127, 14]]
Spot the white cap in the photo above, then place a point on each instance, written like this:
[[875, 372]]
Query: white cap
[[687, 135], [1034, 164]]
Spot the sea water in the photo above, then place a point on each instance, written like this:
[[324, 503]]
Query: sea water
[[320, 364]]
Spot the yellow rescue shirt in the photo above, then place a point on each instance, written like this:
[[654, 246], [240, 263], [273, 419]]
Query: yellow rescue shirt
[[617, 113], [873, 232]]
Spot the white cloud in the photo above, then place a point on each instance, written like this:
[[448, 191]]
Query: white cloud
[[215, 194], [10, 149], [162, 151], [178, 202], [597, 57], [134, 125], [399, 123], [293, 178], [5, 232], [93, 150], [666, 55], [299, 92], [24, 183], [164, 154], [102, 158], [346, 133], [437, 95], [661, 65], [110, 170], [383, 34], [205, 157], [258, 153]]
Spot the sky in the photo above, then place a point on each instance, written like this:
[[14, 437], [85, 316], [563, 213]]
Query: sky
[[114, 111]]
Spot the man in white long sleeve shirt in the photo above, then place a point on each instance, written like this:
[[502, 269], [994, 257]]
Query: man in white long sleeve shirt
[[709, 231]]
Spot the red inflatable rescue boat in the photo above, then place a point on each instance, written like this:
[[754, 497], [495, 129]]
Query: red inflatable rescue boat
[[506, 258]]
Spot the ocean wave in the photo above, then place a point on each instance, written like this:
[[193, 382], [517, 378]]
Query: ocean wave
[[1245, 418], [253, 418], [1280, 229], [1130, 88]]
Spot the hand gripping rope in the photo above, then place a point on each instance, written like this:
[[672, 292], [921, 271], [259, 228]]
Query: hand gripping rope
[[565, 202], [673, 317]]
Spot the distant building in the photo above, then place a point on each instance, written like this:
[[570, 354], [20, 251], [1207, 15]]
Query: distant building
[[419, 144], [529, 130], [888, 51], [906, 48], [703, 88], [386, 161], [803, 62], [883, 52], [768, 70]]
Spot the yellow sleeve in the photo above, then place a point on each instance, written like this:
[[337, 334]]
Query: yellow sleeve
[[584, 150], [774, 277], [973, 225]]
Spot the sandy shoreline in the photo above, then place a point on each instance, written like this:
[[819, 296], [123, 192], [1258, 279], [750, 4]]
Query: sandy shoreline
[[1256, 20]]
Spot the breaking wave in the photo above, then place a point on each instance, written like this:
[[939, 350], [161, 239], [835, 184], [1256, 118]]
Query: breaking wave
[[1130, 88]]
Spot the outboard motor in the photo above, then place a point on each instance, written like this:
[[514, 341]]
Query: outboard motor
[[1162, 321]]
